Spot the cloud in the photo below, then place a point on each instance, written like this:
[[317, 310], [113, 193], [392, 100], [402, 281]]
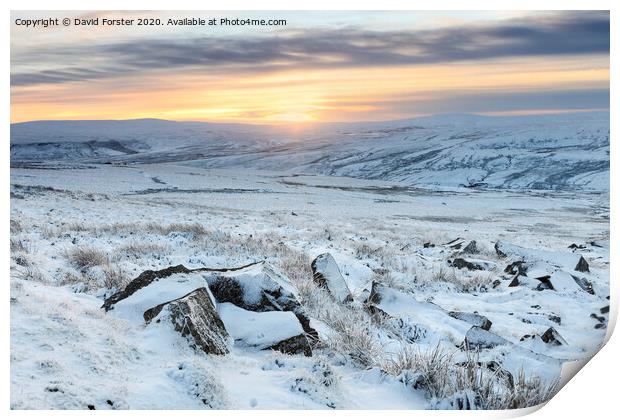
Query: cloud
[[566, 33]]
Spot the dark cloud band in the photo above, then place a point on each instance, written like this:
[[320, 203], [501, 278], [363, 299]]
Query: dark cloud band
[[568, 33]]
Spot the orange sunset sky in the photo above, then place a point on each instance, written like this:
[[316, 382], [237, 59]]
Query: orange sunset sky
[[320, 67]]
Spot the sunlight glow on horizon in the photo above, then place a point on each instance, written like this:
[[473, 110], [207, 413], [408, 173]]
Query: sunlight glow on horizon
[[339, 83]]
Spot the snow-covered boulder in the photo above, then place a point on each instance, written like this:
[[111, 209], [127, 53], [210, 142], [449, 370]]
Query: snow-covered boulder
[[326, 274], [476, 320], [476, 337], [471, 248], [134, 300], [276, 330], [194, 316], [421, 316], [143, 280], [257, 287]]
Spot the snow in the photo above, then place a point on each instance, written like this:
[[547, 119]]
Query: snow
[[162, 290], [551, 152], [257, 195], [259, 329]]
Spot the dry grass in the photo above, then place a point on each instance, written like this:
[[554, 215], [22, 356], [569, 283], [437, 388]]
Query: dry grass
[[16, 227], [84, 257], [467, 385]]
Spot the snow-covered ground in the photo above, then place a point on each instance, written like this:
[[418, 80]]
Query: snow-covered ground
[[83, 230], [547, 152]]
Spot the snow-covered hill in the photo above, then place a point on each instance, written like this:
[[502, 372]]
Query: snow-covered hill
[[560, 152]]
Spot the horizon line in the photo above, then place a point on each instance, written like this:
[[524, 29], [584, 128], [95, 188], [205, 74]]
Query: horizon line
[[486, 114]]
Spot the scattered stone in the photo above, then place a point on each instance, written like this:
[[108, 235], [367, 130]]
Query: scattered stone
[[428, 245], [496, 283], [473, 319], [600, 326], [493, 366], [582, 265], [598, 318], [462, 263], [194, 316], [517, 267], [471, 248], [455, 243], [555, 318], [584, 284], [574, 246], [545, 283], [478, 338], [551, 336], [294, 345], [499, 251], [327, 275]]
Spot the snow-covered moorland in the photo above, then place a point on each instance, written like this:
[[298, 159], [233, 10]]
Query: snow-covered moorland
[[244, 288]]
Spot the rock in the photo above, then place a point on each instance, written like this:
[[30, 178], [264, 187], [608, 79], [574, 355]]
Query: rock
[[194, 316], [599, 326], [143, 280], [473, 319], [478, 338], [327, 275], [498, 250], [551, 336], [605, 309], [456, 243], [276, 330], [555, 318], [153, 291], [514, 282], [598, 318], [496, 284], [471, 248], [493, 366], [574, 246], [428, 245], [582, 265], [462, 263], [257, 287], [584, 284], [260, 288], [298, 344], [415, 316], [545, 283], [517, 267]]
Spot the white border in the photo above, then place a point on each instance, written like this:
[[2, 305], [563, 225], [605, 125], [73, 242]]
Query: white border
[[591, 395]]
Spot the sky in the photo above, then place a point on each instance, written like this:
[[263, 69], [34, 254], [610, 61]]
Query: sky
[[319, 67]]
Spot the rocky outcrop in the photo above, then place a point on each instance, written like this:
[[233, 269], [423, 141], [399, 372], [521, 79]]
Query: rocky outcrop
[[326, 274], [194, 317]]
